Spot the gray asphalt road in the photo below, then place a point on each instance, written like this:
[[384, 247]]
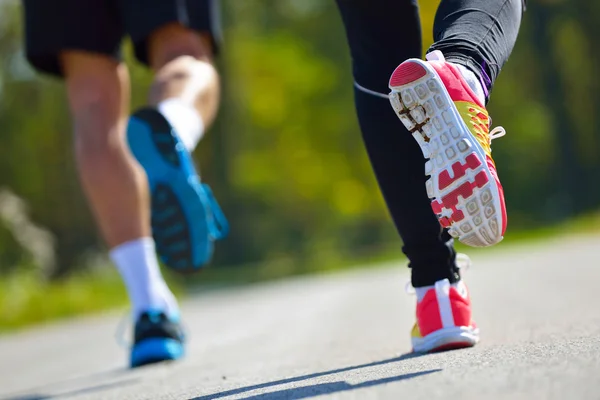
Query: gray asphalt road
[[344, 336]]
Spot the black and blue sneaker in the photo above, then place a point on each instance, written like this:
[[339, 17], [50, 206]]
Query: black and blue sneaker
[[156, 338], [186, 219]]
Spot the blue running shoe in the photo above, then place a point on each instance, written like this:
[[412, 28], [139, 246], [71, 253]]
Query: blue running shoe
[[157, 338], [186, 219]]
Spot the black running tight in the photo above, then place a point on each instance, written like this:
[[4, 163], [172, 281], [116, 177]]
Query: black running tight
[[478, 34]]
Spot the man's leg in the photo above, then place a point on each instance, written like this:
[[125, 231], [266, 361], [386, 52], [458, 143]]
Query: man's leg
[[98, 92], [182, 60], [183, 102], [442, 102], [115, 185], [85, 54], [382, 34]]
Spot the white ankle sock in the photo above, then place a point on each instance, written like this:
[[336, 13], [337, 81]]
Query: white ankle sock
[[138, 265], [185, 119], [473, 82]]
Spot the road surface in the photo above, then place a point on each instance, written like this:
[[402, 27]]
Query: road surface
[[345, 336]]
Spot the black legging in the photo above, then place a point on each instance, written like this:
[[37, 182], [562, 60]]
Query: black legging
[[478, 34]]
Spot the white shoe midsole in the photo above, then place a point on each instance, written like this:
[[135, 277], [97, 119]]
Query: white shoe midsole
[[459, 335]]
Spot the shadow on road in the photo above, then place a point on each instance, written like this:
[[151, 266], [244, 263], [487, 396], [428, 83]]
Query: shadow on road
[[332, 387], [38, 393], [319, 389]]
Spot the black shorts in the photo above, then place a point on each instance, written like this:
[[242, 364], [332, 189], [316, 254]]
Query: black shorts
[[99, 26]]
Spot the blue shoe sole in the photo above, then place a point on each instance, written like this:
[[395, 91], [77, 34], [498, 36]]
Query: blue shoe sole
[[180, 218], [156, 350]]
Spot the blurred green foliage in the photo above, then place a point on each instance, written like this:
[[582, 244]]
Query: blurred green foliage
[[286, 158]]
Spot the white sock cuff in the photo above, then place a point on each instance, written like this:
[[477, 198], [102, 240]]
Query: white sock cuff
[[143, 242], [137, 263], [185, 119]]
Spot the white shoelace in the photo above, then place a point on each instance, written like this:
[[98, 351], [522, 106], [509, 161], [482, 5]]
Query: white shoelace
[[121, 330], [496, 133]]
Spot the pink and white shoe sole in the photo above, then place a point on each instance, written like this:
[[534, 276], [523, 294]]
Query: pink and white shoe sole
[[464, 188]]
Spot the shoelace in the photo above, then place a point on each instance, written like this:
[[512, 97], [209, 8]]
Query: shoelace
[[496, 133], [121, 330], [463, 262], [486, 140]]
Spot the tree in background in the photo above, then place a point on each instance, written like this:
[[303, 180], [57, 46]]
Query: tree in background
[[286, 156]]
